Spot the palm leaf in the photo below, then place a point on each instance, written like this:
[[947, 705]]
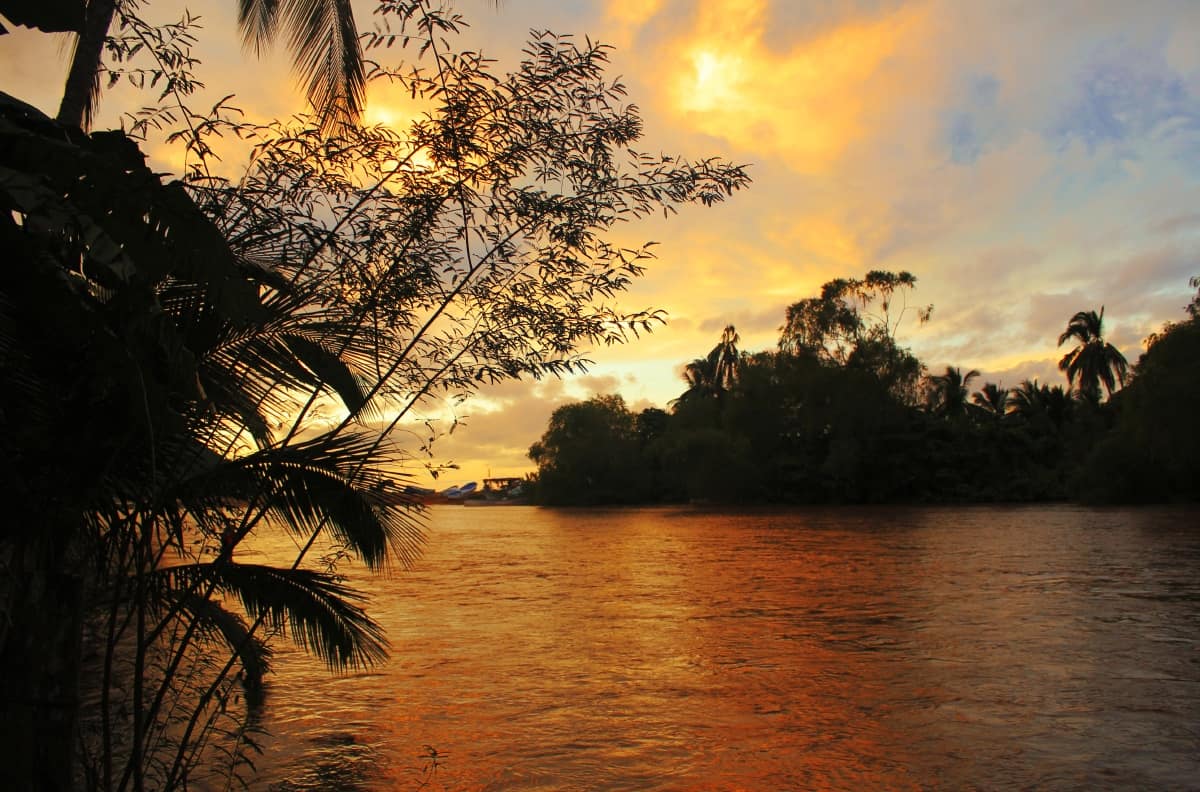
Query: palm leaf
[[258, 21], [323, 41], [332, 480], [330, 370], [320, 614], [252, 652]]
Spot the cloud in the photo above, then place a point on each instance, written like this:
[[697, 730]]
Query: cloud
[[1149, 272], [1186, 222], [495, 429], [806, 103], [1123, 93], [1043, 371], [749, 322], [1024, 161], [632, 13], [971, 126]]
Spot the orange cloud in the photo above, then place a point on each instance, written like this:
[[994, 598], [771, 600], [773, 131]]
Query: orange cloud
[[631, 13], [825, 239], [807, 104]]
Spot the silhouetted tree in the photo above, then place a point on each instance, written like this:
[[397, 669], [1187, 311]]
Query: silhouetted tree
[[992, 399], [1153, 452], [1025, 400], [1034, 402], [652, 424], [1093, 360], [168, 345], [948, 392], [853, 323], [795, 425], [590, 453], [714, 375], [322, 38]]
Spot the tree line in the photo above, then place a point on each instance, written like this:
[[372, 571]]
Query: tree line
[[840, 412]]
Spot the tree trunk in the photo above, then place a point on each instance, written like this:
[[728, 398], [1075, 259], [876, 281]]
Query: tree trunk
[[82, 89]]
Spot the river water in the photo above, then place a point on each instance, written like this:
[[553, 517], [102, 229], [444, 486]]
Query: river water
[[848, 648]]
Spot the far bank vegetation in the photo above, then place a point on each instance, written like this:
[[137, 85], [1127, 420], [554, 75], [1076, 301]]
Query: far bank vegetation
[[840, 412]]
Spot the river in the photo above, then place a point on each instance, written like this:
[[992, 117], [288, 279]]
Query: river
[[842, 648]]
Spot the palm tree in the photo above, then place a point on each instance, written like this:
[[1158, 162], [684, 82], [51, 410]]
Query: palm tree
[[700, 379], [1093, 360], [1059, 403], [1034, 402], [321, 35], [948, 392], [1025, 400], [992, 398], [82, 89], [724, 359], [714, 375]]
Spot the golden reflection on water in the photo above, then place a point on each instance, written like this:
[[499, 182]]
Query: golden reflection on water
[[847, 649]]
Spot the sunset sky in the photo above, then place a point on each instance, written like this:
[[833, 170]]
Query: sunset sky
[[1025, 160]]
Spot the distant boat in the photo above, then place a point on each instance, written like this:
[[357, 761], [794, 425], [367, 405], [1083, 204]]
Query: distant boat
[[465, 490], [507, 491], [460, 493], [429, 496]]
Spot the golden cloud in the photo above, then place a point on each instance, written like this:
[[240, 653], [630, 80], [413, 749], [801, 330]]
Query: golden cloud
[[807, 104], [632, 13]]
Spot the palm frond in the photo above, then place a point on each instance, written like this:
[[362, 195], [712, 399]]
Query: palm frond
[[323, 40], [258, 21], [333, 480], [324, 45], [320, 614], [252, 652], [332, 371]]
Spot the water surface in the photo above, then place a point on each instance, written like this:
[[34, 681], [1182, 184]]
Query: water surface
[[958, 648]]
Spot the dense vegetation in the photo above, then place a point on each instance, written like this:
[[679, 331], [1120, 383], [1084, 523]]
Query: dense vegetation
[[840, 413], [189, 363]]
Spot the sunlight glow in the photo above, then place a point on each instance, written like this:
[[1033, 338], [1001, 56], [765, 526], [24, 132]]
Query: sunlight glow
[[378, 113], [808, 103], [715, 82]]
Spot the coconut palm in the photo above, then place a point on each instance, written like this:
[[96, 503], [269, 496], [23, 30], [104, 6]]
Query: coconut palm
[[714, 375], [1093, 360], [724, 359], [1025, 400], [992, 399], [700, 378], [1059, 404], [948, 392], [321, 36], [1033, 402]]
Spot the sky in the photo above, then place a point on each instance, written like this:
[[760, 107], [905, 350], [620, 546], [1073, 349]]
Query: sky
[[1025, 160]]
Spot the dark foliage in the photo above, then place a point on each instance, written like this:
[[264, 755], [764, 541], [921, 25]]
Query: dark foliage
[[173, 351], [811, 424]]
